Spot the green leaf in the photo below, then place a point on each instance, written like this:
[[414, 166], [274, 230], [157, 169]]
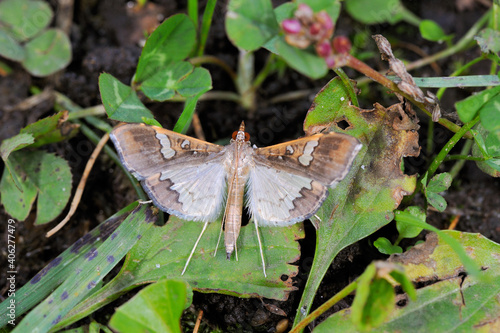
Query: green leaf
[[24, 18], [51, 129], [332, 7], [405, 217], [172, 41], [488, 40], [437, 201], [375, 296], [162, 253], [375, 11], [10, 48], [490, 114], [430, 30], [87, 272], [17, 142], [489, 143], [197, 83], [9, 145], [163, 85], [250, 24], [409, 231], [465, 303], [440, 182], [468, 108], [161, 307], [47, 53], [121, 101], [302, 61], [63, 266], [334, 97], [364, 201], [43, 174], [385, 246]]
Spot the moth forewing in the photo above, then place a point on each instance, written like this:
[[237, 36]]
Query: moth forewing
[[323, 157]]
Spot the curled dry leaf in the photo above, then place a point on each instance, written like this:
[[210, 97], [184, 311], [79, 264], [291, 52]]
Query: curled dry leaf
[[407, 84]]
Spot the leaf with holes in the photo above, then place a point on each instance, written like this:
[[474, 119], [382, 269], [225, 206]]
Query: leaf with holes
[[464, 303], [364, 201]]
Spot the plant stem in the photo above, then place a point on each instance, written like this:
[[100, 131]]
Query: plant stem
[[457, 47], [216, 61], [462, 158], [265, 72], [459, 71], [449, 145], [206, 22], [193, 12], [360, 66], [325, 306]]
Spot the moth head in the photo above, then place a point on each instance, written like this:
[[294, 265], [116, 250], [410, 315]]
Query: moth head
[[241, 135]]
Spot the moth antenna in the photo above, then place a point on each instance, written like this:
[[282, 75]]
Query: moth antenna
[[260, 247], [194, 248]]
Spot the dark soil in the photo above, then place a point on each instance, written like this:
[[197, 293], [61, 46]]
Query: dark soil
[[105, 40]]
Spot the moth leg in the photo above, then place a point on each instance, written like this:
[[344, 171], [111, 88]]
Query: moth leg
[[260, 247], [220, 235], [194, 247]]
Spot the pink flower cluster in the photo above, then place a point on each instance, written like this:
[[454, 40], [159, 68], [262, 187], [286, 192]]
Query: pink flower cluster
[[308, 28]]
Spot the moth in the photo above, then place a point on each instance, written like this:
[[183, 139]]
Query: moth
[[200, 181]]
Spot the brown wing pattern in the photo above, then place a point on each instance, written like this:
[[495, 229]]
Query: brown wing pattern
[[325, 158]]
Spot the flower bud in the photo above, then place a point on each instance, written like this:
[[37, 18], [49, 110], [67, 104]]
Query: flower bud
[[324, 49], [291, 26], [341, 45]]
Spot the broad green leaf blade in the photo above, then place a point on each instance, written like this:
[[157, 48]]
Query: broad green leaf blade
[[430, 30], [468, 108], [162, 85], [452, 303], [436, 200], [121, 101], [364, 201], [375, 11], [409, 231], [332, 7], [44, 174], [18, 192], [172, 41], [440, 182], [333, 96], [161, 307], [385, 246], [250, 24], [17, 142], [490, 114], [58, 270], [489, 142], [197, 83], [10, 48], [25, 18], [51, 129], [488, 40], [163, 252], [47, 53], [81, 280]]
